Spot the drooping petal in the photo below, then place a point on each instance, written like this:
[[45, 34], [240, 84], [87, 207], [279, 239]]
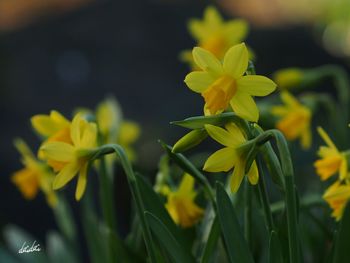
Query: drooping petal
[[65, 175], [199, 81], [237, 176], [58, 151], [81, 182], [222, 136], [253, 174], [256, 85], [221, 160], [236, 60], [207, 61], [244, 105]]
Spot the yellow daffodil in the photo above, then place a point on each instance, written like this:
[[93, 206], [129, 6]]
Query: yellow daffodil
[[233, 155], [223, 84], [128, 134], [180, 203], [34, 176], [288, 78], [295, 119], [73, 157], [214, 34], [337, 196], [332, 160], [54, 127]]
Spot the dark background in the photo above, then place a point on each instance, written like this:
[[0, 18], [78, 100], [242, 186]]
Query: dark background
[[128, 49]]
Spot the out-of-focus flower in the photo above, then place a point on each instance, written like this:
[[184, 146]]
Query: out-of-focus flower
[[73, 157], [332, 160], [233, 155], [180, 203], [337, 196], [295, 119], [34, 176], [214, 34], [222, 85], [288, 78]]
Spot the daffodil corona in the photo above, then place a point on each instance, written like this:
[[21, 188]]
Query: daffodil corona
[[74, 157], [180, 203], [233, 155], [224, 84], [295, 119]]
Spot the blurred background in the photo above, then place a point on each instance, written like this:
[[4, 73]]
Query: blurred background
[[64, 54]]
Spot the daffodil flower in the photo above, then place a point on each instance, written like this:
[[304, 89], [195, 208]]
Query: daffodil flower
[[233, 155], [223, 84], [337, 196], [332, 160], [180, 203], [35, 176], [295, 119], [73, 157], [214, 34]]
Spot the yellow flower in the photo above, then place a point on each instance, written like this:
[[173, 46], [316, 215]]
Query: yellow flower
[[222, 85], [288, 78], [180, 203], [214, 34], [233, 155], [129, 132], [34, 176], [295, 119], [332, 160], [73, 157], [54, 127], [337, 196]]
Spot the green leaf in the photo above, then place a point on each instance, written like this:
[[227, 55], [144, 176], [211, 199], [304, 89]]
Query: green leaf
[[154, 205], [341, 252], [275, 251], [175, 250], [212, 241], [236, 245], [57, 250]]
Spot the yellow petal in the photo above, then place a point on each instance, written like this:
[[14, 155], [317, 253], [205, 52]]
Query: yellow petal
[[197, 30], [256, 85], [186, 185], [221, 160], [236, 60], [237, 176], [328, 166], [199, 81], [81, 183], [289, 99], [235, 132], [212, 16], [48, 125], [279, 111], [75, 129], [207, 61], [129, 132], [58, 151], [88, 139], [343, 172], [326, 138], [236, 30], [222, 136], [27, 182], [244, 106], [65, 175], [253, 174], [306, 138]]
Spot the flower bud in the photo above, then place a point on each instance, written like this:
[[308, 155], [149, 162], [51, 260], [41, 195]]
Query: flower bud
[[190, 140]]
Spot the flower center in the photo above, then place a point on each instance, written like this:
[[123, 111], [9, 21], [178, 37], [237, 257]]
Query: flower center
[[217, 97]]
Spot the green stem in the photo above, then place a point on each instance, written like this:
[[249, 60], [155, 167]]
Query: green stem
[[248, 213], [264, 199], [135, 192]]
